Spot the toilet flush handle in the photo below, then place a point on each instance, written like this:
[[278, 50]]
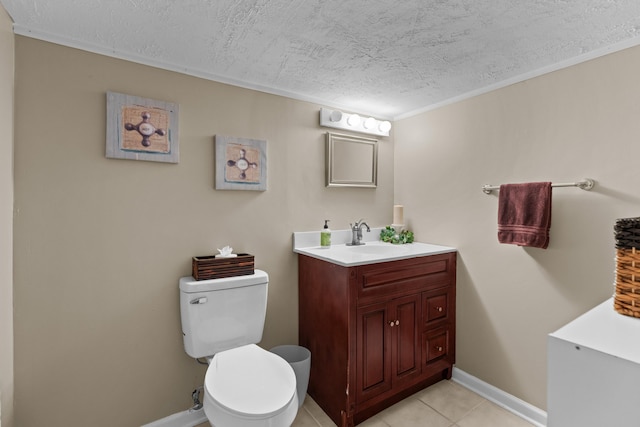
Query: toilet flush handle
[[200, 300]]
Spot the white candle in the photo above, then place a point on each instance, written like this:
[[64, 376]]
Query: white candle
[[398, 214]]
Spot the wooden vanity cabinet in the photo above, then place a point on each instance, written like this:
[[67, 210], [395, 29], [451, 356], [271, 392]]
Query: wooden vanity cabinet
[[377, 332]]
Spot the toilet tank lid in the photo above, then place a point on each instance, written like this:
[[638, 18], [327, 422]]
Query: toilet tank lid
[[190, 285]]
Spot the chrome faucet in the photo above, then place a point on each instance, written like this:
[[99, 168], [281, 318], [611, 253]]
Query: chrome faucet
[[356, 233]]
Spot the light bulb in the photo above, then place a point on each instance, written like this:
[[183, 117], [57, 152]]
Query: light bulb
[[384, 126], [369, 123], [335, 116], [353, 120]]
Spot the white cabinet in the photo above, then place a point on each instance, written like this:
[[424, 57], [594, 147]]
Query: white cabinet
[[593, 377]]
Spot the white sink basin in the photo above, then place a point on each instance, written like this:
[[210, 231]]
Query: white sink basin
[[372, 252], [386, 249]]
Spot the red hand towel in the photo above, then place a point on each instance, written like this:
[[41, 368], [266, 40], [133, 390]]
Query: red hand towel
[[524, 214]]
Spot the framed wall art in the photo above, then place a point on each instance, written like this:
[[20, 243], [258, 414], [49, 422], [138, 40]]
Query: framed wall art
[[142, 129], [241, 163]]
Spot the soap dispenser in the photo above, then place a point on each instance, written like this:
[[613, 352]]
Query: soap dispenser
[[325, 235]]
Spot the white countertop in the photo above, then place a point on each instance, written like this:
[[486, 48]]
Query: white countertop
[[604, 329], [373, 251]]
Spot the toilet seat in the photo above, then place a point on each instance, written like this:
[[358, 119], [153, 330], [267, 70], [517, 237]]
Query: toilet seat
[[250, 383]]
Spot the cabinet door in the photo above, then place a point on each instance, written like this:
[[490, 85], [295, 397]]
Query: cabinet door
[[405, 315], [388, 349], [373, 351]]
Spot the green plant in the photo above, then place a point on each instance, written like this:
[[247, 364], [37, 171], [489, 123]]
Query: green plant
[[389, 235]]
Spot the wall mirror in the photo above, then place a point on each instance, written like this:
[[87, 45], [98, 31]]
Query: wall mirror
[[352, 161]]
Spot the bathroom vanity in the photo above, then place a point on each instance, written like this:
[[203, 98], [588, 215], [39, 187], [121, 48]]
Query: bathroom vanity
[[379, 321]]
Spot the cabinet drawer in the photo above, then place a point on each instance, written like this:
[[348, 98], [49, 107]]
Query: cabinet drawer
[[437, 306], [413, 274], [436, 345]]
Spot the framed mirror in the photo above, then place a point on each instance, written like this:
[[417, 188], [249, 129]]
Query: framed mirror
[[352, 161]]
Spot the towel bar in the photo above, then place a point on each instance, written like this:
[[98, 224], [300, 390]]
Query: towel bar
[[586, 184]]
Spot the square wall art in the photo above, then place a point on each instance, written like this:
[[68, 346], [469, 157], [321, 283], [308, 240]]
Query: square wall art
[[142, 129], [241, 163]]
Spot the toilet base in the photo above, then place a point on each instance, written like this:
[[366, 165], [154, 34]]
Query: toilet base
[[189, 418]]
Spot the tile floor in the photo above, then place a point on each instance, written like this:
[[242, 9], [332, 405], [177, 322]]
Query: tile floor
[[444, 404]]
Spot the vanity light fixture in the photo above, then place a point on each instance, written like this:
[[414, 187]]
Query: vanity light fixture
[[353, 122]]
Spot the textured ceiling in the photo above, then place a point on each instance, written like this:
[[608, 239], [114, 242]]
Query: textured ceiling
[[382, 57]]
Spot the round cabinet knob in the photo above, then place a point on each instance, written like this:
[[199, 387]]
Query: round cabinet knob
[[391, 323], [439, 309], [397, 322], [439, 348]]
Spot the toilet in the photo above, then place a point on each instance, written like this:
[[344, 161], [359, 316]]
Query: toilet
[[245, 385]]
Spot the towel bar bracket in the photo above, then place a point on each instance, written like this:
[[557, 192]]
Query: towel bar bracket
[[586, 184]]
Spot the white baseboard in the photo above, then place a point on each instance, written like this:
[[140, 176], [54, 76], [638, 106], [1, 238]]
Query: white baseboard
[[535, 416]]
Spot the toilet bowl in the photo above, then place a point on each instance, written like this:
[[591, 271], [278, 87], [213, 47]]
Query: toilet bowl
[[250, 387]]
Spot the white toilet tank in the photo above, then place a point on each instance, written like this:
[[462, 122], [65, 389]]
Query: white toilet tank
[[221, 314]]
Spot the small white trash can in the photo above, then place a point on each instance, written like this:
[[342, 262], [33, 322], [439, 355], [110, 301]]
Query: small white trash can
[[300, 360]]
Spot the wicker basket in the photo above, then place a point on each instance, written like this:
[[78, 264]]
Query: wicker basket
[[627, 293]]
